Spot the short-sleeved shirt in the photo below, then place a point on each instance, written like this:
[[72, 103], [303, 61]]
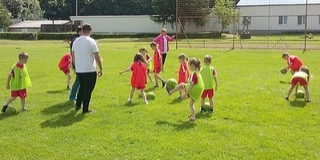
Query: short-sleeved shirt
[[139, 75], [65, 61], [183, 73], [294, 63], [193, 78], [84, 48], [157, 59]]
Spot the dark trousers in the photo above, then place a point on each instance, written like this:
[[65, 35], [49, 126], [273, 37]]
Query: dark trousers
[[87, 84], [164, 56]]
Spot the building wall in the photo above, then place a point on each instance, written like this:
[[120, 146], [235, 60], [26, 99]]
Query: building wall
[[138, 24], [266, 18]]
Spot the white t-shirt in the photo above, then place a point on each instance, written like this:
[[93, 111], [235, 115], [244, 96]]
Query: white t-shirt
[[84, 48], [165, 45]]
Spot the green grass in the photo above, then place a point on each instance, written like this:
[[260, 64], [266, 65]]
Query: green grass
[[251, 120]]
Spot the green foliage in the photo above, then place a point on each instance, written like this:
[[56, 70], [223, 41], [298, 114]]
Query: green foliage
[[164, 12], [224, 10], [4, 17], [24, 9], [251, 120]]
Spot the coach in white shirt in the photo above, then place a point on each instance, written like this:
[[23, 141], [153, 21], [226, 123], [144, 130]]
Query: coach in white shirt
[[85, 56]]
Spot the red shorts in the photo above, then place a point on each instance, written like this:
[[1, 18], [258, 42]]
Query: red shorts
[[207, 93], [157, 70], [19, 93], [65, 70], [302, 81]]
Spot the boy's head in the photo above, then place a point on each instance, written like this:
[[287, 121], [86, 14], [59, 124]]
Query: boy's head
[[285, 55], [86, 28], [23, 57], [207, 59], [143, 50], [79, 30], [154, 46]]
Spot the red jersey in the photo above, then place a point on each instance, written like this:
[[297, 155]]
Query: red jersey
[[294, 63], [65, 61], [193, 78], [183, 73], [157, 59], [139, 75]]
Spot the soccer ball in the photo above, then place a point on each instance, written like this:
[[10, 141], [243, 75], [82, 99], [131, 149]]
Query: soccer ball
[[300, 94], [151, 96], [207, 105], [171, 83], [283, 70], [11, 110]]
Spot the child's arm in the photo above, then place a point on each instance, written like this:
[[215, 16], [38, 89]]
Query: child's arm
[[8, 81], [170, 38], [216, 81], [188, 91], [126, 70]]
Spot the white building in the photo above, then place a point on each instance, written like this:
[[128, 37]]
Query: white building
[[278, 16]]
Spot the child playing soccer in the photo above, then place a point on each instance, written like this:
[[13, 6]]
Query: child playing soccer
[[194, 87], [18, 81], [138, 77], [148, 60], [302, 76], [157, 65], [65, 65], [183, 73], [209, 74]]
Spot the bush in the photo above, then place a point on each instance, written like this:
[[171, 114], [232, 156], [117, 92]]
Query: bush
[[67, 35]]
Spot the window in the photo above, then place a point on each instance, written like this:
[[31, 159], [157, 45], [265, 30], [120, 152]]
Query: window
[[301, 20], [283, 20]]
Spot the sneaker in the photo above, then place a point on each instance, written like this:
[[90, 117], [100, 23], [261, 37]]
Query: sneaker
[[87, 112], [146, 102], [308, 100], [191, 119], [286, 98], [156, 86], [202, 110], [24, 109], [163, 83], [4, 108], [129, 100], [168, 91], [68, 88], [211, 110]]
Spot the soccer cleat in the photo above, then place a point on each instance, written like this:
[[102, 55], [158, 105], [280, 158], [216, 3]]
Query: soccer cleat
[[4, 108], [163, 83], [77, 108], [286, 98], [156, 86], [202, 110], [168, 91], [211, 110]]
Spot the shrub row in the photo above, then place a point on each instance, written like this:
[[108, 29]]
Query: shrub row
[[61, 36]]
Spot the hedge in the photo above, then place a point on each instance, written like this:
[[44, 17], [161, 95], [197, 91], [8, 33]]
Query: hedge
[[62, 36]]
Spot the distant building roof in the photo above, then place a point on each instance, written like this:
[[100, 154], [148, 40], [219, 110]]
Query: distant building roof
[[37, 24], [275, 2]]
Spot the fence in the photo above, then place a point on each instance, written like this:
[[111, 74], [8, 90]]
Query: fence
[[272, 26]]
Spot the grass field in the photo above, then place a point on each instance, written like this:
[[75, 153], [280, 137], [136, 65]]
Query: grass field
[[251, 120]]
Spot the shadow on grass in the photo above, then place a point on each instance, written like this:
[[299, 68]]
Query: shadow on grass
[[284, 82], [60, 107], [151, 89], [58, 91], [63, 120], [8, 115], [130, 104], [298, 103], [176, 100], [204, 115], [181, 125]]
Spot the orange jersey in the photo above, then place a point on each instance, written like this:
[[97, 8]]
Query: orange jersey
[[139, 75], [183, 73]]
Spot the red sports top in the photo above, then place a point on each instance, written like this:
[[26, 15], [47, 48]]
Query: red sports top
[[65, 61], [157, 59], [294, 63], [194, 78], [139, 74], [183, 73]]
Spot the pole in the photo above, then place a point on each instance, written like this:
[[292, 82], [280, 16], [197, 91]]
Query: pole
[[305, 27], [34, 10], [234, 24], [177, 9], [76, 7]]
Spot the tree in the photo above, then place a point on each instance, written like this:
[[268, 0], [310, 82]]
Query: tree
[[24, 9], [225, 12], [163, 12], [4, 17]]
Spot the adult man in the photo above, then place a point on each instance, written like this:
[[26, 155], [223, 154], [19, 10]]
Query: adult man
[[163, 43], [85, 56]]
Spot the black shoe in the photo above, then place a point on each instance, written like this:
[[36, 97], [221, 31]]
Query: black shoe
[[211, 110], [163, 83], [86, 112], [77, 108], [156, 86], [202, 110], [4, 108], [286, 98]]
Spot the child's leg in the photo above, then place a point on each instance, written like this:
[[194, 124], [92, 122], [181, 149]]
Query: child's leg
[[144, 96], [180, 93], [5, 106], [149, 76], [68, 80], [306, 89], [156, 79], [131, 93], [211, 103], [289, 92], [193, 110], [159, 78], [179, 87], [202, 105], [23, 104]]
